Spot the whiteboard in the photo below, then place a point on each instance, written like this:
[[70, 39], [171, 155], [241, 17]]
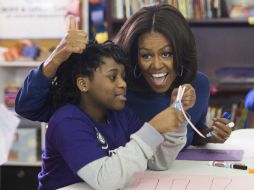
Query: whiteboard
[[34, 19]]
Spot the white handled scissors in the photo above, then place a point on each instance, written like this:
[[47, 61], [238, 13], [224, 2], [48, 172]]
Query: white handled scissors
[[178, 105]]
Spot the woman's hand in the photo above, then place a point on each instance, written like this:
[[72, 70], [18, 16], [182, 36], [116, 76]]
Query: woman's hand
[[189, 97], [168, 120], [221, 131], [74, 41]]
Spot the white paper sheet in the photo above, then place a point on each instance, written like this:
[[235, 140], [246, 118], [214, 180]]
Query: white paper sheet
[[8, 125], [239, 139]]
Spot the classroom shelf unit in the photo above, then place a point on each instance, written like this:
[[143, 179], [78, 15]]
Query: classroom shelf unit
[[16, 172]]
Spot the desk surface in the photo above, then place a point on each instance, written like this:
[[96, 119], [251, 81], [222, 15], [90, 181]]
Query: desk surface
[[239, 139]]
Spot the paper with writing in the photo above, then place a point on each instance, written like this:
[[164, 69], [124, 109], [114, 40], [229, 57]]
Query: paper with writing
[[8, 125]]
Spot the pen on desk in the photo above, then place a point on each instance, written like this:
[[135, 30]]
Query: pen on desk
[[228, 165], [227, 115]]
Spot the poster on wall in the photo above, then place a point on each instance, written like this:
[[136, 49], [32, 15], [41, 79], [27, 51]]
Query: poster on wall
[[35, 19]]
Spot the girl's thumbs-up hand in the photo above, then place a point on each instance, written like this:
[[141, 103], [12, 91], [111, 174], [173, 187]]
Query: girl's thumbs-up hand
[[74, 41]]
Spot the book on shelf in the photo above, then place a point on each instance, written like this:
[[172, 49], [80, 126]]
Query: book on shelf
[[26, 145], [242, 117], [240, 8], [191, 9], [10, 92], [118, 9], [127, 8]]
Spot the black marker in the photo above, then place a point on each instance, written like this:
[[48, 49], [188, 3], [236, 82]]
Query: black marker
[[228, 165]]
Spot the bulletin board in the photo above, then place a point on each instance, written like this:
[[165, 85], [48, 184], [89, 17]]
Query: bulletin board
[[34, 19]]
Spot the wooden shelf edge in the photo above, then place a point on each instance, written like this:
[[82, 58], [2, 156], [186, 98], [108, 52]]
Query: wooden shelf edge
[[205, 22], [19, 63], [20, 163], [218, 21]]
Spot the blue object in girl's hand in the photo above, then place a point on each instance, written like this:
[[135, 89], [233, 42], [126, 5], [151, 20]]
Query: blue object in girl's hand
[[227, 115]]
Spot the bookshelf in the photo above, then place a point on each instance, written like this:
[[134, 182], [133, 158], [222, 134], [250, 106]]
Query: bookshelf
[[18, 173], [13, 74], [19, 64], [114, 21], [24, 164], [221, 43]]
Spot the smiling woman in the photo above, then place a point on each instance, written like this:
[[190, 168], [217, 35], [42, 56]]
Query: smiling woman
[[158, 40], [155, 57], [163, 55]]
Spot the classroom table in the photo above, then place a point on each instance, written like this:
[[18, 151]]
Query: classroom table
[[239, 139]]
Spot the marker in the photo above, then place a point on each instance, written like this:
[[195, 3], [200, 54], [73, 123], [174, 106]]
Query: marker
[[240, 166], [227, 115], [228, 165]]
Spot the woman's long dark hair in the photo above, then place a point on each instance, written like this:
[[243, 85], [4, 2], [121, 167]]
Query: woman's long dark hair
[[64, 89], [168, 21]]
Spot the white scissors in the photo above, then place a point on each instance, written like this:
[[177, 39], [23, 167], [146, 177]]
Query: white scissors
[[178, 105]]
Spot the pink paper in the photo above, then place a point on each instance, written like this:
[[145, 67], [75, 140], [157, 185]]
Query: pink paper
[[159, 181]]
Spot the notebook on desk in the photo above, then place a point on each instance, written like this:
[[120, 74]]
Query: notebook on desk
[[210, 154]]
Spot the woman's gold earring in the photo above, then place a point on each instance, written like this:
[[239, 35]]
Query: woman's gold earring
[[84, 89]]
